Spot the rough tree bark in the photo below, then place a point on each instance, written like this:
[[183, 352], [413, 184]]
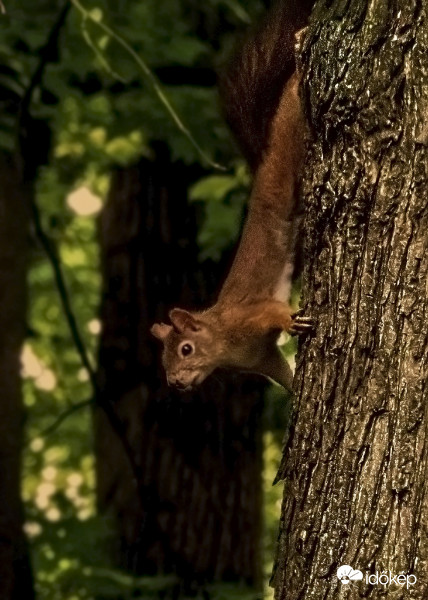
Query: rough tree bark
[[15, 573], [196, 509], [355, 463]]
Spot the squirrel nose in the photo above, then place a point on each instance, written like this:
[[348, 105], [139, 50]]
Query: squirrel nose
[[173, 381], [177, 383]]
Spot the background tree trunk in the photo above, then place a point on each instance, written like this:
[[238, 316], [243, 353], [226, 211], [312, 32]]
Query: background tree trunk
[[355, 463], [196, 510], [15, 573]]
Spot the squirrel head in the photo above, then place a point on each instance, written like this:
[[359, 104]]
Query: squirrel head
[[189, 353]]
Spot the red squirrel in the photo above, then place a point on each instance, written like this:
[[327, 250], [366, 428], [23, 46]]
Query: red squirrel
[[262, 106]]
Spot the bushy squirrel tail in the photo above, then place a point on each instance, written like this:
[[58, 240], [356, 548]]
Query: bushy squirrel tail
[[252, 86]]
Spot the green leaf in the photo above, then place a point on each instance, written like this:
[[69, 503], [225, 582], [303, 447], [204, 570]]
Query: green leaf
[[213, 188]]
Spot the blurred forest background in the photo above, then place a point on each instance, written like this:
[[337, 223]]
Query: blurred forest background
[[112, 213]]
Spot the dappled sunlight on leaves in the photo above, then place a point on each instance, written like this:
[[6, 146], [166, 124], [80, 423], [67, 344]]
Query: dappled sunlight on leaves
[[97, 124]]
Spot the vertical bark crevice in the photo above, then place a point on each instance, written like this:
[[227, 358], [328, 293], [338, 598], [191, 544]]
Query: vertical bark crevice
[[356, 461]]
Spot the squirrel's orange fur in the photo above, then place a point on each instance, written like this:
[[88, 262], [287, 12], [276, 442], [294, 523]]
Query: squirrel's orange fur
[[241, 330]]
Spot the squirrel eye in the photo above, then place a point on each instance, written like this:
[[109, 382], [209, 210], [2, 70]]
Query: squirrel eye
[[186, 349]]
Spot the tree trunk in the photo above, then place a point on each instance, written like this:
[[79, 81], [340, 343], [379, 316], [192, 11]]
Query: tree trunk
[[15, 572], [355, 462], [196, 509]]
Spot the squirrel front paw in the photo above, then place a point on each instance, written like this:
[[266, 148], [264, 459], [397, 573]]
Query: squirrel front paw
[[300, 324]]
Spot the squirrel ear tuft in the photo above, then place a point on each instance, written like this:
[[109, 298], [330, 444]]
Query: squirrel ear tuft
[[160, 330], [182, 320]]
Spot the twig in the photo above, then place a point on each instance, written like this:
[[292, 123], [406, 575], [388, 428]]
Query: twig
[[52, 255], [63, 416], [2, 8], [103, 61], [86, 15], [147, 494], [116, 424], [50, 250], [47, 54]]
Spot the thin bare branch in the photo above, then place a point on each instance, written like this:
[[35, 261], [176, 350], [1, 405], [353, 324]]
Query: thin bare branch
[[118, 427], [148, 74], [47, 54], [61, 418]]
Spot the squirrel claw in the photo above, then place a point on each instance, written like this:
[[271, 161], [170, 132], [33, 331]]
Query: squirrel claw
[[300, 324], [299, 39]]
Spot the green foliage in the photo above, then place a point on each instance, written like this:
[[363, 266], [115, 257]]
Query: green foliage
[[103, 110], [222, 198]]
